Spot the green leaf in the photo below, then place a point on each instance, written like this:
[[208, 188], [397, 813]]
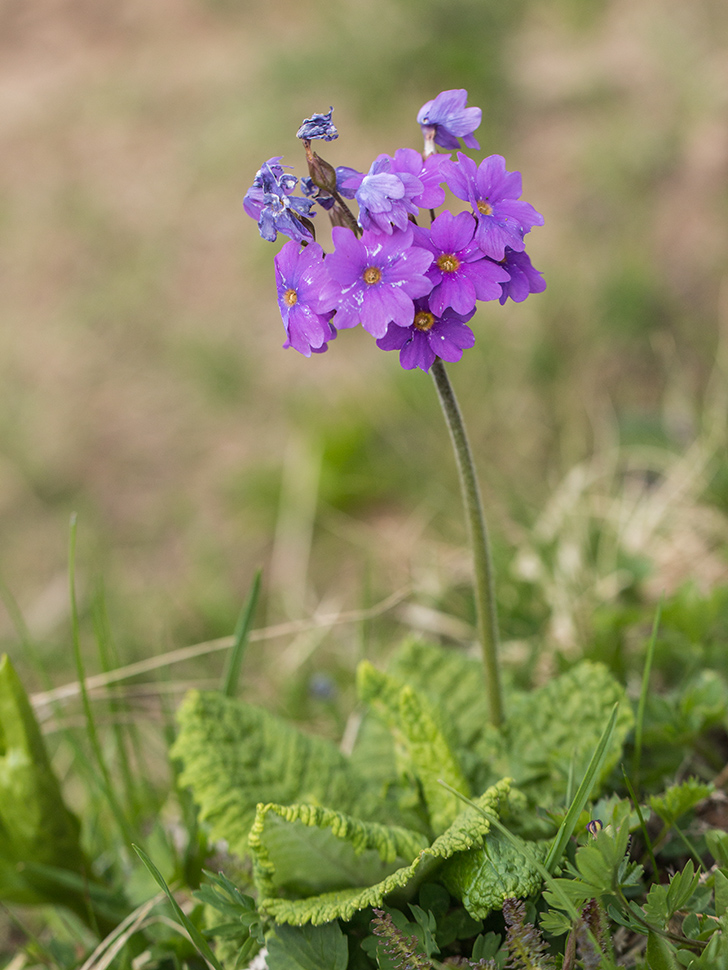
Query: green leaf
[[721, 893], [194, 933], [717, 842], [592, 773], [35, 825], [236, 756], [307, 948], [561, 724], [661, 955], [664, 901], [488, 874], [270, 848], [424, 750], [679, 799], [306, 850]]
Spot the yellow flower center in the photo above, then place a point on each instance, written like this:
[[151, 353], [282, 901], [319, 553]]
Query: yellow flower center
[[372, 275], [290, 297], [448, 262], [485, 207], [424, 320]]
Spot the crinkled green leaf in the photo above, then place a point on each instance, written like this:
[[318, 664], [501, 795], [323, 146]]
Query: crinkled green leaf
[[549, 733], [307, 948], [679, 799], [306, 850], [35, 825], [452, 684], [488, 874], [465, 832], [236, 755], [555, 729], [425, 751]]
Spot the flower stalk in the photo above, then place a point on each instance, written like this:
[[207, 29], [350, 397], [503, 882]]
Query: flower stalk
[[485, 604]]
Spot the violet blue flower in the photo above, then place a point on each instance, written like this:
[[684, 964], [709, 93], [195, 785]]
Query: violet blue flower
[[460, 272], [445, 119], [269, 172], [374, 280], [300, 280], [318, 126], [269, 200], [429, 336], [385, 196], [522, 277], [494, 194]]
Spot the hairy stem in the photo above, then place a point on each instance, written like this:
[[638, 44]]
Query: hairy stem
[[484, 583]]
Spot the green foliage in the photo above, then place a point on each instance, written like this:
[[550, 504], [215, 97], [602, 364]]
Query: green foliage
[[664, 901], [236, 756], [36, 828], [679, 799], [423, 751], [307, 948], [242, 927], [490, 873], [466, 831]]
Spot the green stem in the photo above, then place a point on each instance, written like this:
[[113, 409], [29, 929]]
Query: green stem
[[484, 583]]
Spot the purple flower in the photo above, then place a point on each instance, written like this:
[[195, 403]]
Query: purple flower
[[385, 196], [446, 119], [522, 277], [460, 272], [318, 126], [269, 201], [374, 280], [408, 161], [301, 279], [428, 336], [494, 194]]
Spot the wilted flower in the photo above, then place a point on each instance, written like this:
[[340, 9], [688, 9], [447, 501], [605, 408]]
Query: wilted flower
[[318, 126], [269, 200], [429, 336], [300, 281]]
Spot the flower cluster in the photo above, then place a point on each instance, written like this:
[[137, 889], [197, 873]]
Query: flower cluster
[[411, 278]]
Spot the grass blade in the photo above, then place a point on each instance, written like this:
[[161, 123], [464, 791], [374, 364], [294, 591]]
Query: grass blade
[[566, 829], [195, 935], [229, 685], [636, 763]]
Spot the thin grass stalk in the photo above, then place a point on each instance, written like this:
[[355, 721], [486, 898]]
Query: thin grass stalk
[[482, 560]]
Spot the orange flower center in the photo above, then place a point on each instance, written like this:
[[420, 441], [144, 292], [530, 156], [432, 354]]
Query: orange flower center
[[290, 297], [424, 320], [448, 262], [372, 275], [485, 207]]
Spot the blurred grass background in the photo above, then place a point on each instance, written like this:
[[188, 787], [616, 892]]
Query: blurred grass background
[[143, 381]]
